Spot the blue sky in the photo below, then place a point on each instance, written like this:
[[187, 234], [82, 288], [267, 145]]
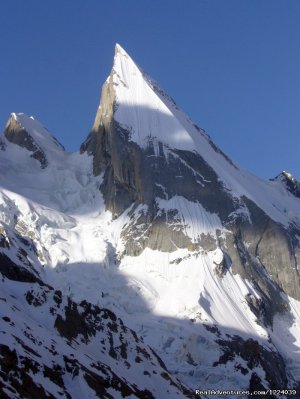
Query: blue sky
[[232, 65]]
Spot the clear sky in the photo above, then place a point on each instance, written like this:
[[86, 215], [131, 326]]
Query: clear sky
[[232, 65]]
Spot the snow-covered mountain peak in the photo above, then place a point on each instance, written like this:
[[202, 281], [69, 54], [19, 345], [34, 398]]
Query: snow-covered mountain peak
[[288, 175], [289, 182], [122, 63], [37, 131], [142, 109], [119, 50], [30, 134]]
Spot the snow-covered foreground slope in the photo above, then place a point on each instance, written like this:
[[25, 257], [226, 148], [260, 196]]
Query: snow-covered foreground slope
[[54, 347], [197, 258], [50, 345]]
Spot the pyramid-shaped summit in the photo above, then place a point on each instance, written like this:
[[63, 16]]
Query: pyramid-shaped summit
[[144, 109]]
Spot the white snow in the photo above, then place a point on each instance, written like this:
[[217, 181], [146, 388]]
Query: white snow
[[192, 216], [286, 336], [141, 110], [191, 287]]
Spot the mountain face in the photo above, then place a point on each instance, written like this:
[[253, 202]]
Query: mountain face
[[146, 265]]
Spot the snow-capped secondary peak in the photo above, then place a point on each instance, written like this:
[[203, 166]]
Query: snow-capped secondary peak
[[289, 182], [30, 134], [37, 131], [288, 175], [283, 176]]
